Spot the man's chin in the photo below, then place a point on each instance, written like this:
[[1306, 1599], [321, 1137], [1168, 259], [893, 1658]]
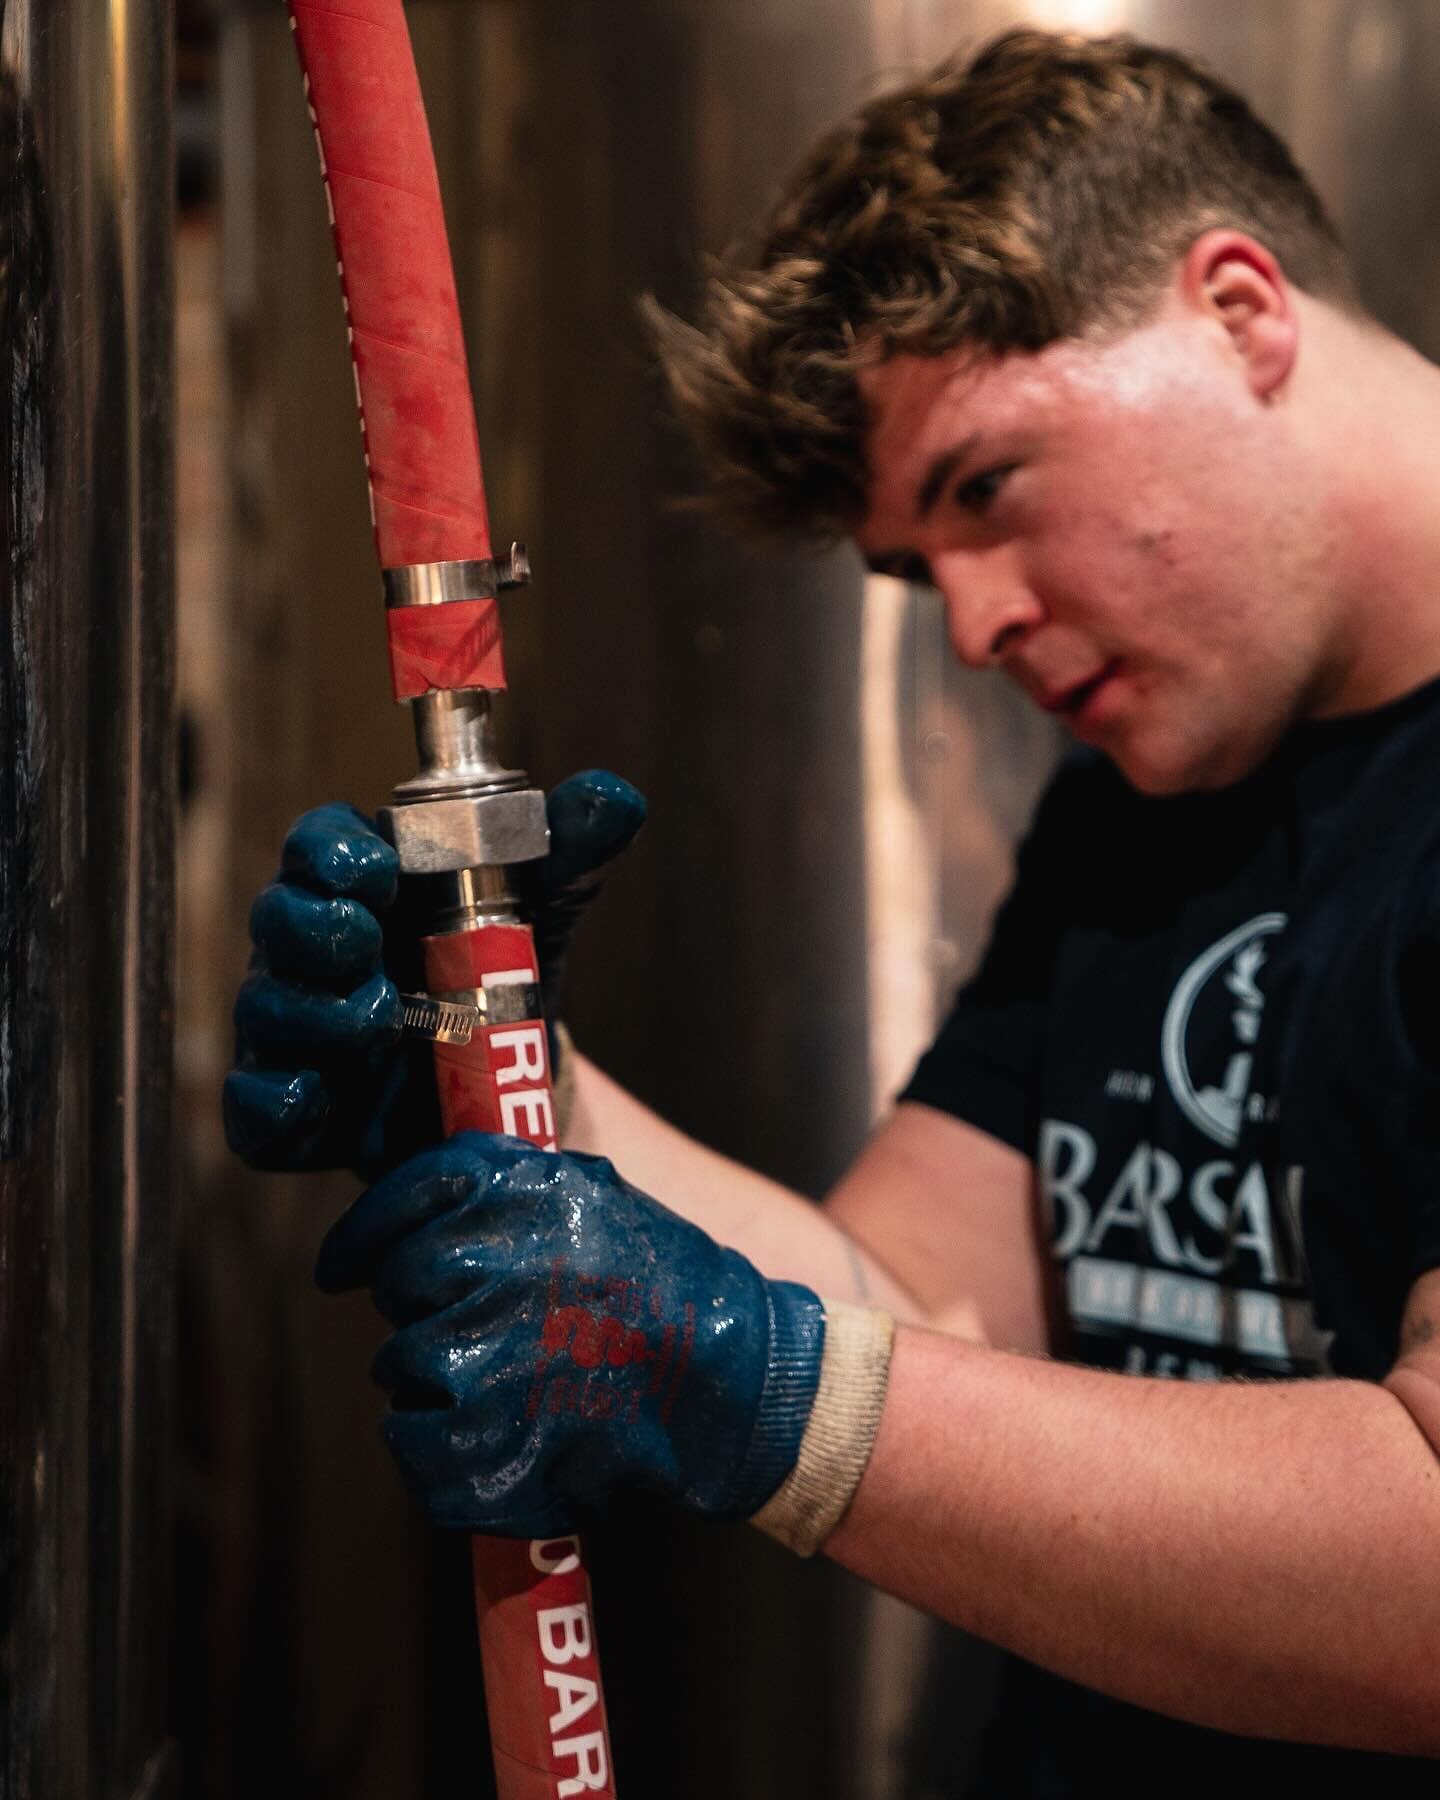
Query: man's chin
[[1164, 770], [1157, 783]]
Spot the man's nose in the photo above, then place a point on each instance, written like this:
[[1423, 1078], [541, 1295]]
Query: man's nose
[[988, 603]]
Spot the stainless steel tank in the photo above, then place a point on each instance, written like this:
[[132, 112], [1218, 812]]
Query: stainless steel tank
[[86, 897], [833, 803]]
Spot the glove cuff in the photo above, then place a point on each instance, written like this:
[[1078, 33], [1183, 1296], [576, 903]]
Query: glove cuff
[[792, 1377], [840, 1432]]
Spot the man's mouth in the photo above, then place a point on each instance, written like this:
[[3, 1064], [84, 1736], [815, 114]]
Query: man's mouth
[[1075, 702]]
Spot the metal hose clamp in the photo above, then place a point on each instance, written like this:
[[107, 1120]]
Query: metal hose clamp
[[434, 584]]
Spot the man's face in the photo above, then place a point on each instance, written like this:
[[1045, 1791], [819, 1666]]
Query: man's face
[[1125, 528]]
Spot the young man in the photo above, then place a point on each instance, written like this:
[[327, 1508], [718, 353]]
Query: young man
[[1064, 333]]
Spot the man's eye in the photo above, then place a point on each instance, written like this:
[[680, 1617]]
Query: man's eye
[[976, 494], [903, 565]]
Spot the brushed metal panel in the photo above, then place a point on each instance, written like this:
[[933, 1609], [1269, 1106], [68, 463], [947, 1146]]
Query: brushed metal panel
[[86, 900]]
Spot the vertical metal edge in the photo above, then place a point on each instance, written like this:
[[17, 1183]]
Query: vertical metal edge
[[86, 898]]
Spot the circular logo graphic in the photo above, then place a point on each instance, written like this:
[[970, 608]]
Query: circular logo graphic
[[1212, 1024]]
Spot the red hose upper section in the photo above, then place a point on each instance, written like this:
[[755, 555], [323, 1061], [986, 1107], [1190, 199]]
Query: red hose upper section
[[417, 417]]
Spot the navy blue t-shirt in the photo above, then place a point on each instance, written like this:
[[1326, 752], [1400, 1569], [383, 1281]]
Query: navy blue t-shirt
[[1213, 1021]]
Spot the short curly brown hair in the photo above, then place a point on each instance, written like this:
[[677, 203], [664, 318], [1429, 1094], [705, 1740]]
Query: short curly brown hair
[[1037, 190]]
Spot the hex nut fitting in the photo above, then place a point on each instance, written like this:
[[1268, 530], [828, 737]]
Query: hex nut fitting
[[434, 837]]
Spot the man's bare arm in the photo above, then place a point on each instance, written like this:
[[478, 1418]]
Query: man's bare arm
[[951, 1213], [1262, 1558], [932, 1223]]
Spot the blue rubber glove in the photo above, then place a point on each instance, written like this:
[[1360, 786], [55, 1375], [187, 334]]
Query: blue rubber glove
[[323, 1078], [564, 1339], [592, 818]]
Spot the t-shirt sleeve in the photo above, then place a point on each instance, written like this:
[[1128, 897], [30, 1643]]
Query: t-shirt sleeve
[[987, 1064]]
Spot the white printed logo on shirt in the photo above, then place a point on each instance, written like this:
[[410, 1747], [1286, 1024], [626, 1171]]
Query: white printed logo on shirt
[[1227, 976], [1188, 1262]]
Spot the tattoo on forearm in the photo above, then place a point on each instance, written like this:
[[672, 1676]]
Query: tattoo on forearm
[[857, 1270], [1416, 1333]]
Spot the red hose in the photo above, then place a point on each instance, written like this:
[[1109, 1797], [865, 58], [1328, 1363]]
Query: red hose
[[545, 1699], [417, 418]]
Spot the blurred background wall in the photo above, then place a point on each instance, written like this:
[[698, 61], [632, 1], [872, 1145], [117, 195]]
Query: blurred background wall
[[833, 807]]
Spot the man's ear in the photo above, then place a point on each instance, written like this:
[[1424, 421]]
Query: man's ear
[[1235, 281]]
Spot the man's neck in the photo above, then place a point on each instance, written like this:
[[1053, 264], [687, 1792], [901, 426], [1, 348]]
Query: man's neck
[[1383, 448]]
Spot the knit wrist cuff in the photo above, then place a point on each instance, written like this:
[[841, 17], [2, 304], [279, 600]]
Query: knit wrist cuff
[[836, 1447]]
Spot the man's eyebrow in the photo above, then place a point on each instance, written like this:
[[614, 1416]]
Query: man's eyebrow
[[941, 469]]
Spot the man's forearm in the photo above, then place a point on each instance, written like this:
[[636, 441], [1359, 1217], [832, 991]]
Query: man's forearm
[[784, 1235], [1263, 1558]]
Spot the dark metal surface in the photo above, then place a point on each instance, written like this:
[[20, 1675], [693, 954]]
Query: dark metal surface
[[832, 803], [86, 805]]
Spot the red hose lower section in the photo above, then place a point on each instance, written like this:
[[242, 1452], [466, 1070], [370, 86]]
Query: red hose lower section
[[537, 1636], [500, 1080], [417, 417], [543, 1693]]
